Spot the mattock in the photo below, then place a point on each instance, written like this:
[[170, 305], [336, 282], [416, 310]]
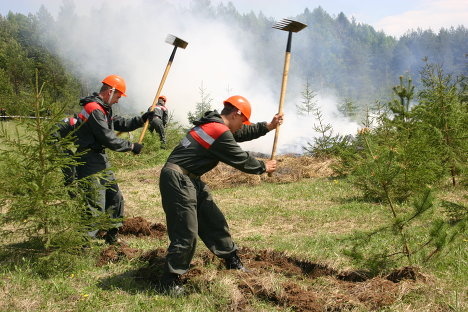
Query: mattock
[[290, 26], [177, 43]]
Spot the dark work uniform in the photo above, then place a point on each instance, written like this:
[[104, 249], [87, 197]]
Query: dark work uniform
[[94, 136], [65, 128], [160, 120], [186, 199]]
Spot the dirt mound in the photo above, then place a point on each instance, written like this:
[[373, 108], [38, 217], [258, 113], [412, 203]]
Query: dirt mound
[[152, 272], [131, 226], [288, 282], [406, 273], [290, 169], [115, 253], [278, 262], [140, 227], [291, 295], [337, 291]]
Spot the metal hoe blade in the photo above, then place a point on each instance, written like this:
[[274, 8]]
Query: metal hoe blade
[[289, 25], [175, 41]]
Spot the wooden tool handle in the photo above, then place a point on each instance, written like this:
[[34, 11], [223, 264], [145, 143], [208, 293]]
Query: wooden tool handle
[[284, 83]]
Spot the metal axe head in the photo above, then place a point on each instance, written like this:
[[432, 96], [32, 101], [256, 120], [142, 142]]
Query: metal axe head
[[175, 41], [289, 25]]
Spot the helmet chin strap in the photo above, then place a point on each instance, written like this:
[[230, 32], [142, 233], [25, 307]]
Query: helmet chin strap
[[111, 95]]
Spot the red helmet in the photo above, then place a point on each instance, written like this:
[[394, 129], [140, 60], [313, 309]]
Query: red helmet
[[116, 82], [163, 97], [241, 104]]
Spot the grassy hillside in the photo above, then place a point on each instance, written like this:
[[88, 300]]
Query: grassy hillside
[[291, 234]]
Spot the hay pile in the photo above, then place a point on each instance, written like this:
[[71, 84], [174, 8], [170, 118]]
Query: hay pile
[[290, 169]]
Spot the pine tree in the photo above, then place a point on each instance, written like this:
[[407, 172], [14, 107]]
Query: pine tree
[[443, 109], [202, 106], [35, 202], [348, 108], [308, 104], [394, 163], [327, 143]]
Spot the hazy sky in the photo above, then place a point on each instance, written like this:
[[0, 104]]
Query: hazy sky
[[394, 17], [126, 37]]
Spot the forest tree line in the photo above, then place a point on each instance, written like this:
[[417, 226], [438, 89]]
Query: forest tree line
[[335, 53]]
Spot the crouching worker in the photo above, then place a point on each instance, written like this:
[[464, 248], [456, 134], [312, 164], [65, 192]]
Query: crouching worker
[[186, 199], [95, 134]]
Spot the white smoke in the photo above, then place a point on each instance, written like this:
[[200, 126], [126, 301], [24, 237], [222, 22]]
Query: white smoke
[[129, 40]]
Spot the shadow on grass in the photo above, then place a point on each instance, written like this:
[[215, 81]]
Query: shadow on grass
[[30, 256], [142, 280], [131, 282]]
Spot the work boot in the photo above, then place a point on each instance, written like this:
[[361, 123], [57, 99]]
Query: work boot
[[235, 263], [171, 284], [111, 236]]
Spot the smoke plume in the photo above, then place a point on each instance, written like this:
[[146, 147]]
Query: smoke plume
[[128, 39]]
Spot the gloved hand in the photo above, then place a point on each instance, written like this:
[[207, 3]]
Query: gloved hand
[[148, 116], [136, 148]]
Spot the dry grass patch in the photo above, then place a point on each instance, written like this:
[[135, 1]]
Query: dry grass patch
[[290, 169]]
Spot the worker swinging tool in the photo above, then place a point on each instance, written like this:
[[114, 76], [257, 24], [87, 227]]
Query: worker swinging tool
[[290, 26], [177, 43]]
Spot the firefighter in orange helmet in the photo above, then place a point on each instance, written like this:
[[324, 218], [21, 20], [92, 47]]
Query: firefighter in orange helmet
[[93, 136], [187, 202], [160, 120]]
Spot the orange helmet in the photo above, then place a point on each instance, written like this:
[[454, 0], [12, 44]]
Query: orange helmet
[[241, 104], [116, 82], [163, 97]]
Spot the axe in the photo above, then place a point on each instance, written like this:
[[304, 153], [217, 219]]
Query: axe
[[290, 26], [177, 43]]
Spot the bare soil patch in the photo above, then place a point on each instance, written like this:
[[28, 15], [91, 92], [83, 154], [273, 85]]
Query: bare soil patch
[[140, 227], [115, 253], [300, 285]]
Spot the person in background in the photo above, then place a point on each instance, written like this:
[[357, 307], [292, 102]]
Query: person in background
[[95, 134], [186, 199], [160, 119]]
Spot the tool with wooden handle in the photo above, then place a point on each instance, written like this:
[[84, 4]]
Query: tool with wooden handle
[[177, 43], [290, 26]]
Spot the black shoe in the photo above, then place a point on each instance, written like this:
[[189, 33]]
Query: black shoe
[[171, 284], [234, 263], [111, 236]]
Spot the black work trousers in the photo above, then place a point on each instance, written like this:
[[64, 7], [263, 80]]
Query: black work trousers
[[191, 211], [157, 124], [103, 195]]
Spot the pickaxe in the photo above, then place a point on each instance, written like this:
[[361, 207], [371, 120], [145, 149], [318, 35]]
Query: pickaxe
[[177, 43], [290, 26]]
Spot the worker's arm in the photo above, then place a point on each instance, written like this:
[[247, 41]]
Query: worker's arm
[[251, 132], [130, 124], [226, 149], [97, 123], [254, 131]]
